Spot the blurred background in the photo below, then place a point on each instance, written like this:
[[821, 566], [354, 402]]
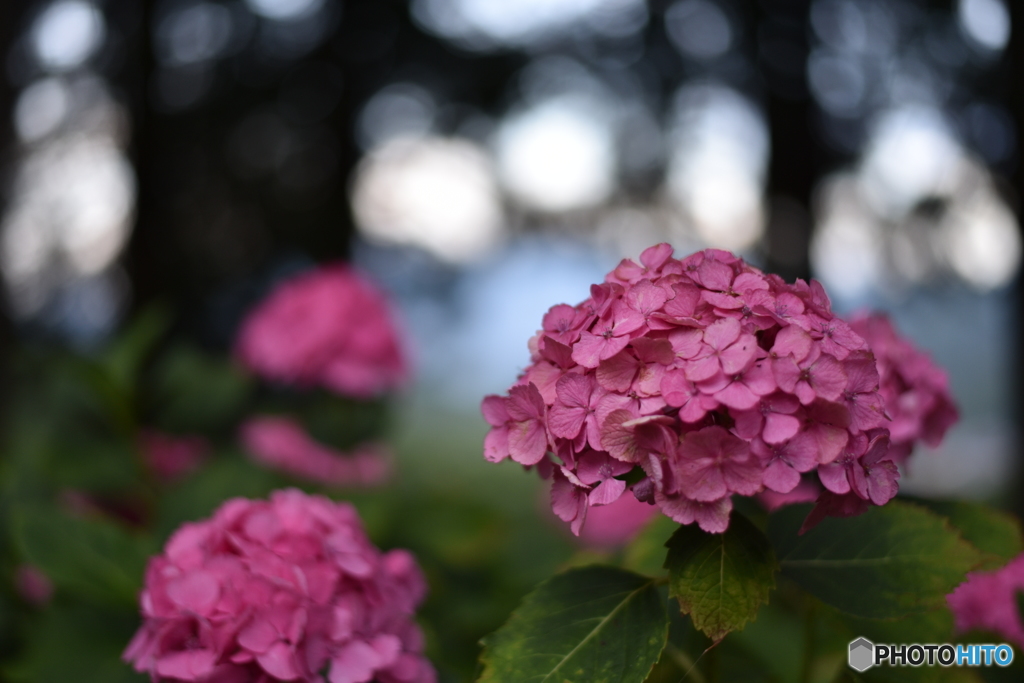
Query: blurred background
[[486, 159]]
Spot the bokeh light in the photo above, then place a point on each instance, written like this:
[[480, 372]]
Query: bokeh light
[[67, 33], [558, 155], [435, 193]]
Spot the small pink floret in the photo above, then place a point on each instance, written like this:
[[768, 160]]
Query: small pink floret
[[281, 443], [988, 601]]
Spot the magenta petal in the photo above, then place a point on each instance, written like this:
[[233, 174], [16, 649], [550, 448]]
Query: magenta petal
[[566, 422], [195, 592], [574, 390], [656, 256], [684, 305], [793, 342], [527, 442], [737, 395], [189, 665], [702, 369], [608, 491], [779, 428], [861, 374], [525, 402], [802, 453], [830, 440], [676, 389], [739, 355], [747, 423], [833, 476], [617, 372], [828, 378], [882, 478], [786, 373], [496, 444], [587, 351], [714, 274], [722, 333], [760, 379], [743, 477], [388, 648], [780, 477], [646, 297], [564, 498], [701, 481], [279, 662], [494, 410], [258, 636], [356, 663]]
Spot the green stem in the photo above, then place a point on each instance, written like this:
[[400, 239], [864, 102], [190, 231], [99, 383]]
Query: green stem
[[685, 664]]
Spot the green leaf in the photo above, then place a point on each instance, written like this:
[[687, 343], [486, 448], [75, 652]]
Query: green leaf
[[891, 561], [995, 533], [646, 553], [721, 580], [80, 643], [194, 391], [595, 624], [89, 557], [124, 357]]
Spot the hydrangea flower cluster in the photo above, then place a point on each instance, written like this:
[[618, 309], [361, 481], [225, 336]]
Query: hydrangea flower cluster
[[282, 444], [329, 327], [988, 601], [288, 589], [696, 379], [914, 389]]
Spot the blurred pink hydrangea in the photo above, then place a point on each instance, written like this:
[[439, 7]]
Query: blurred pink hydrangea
[[329, 327], [915, 390], [616, 524], [171, 457], [281, 443], [288, 589], [33, 585], [988, 601], [711, 377]]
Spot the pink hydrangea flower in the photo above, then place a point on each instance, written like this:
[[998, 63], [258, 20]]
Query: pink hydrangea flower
[[328, 327], [288, 589], [172, 457], [988, 601], [703, 378], [914, 391], [281, 443]]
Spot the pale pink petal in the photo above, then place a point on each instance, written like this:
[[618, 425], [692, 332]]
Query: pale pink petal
[[187, 665]]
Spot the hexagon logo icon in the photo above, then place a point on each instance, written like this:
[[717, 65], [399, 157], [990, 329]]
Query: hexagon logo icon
[[862, 655]]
